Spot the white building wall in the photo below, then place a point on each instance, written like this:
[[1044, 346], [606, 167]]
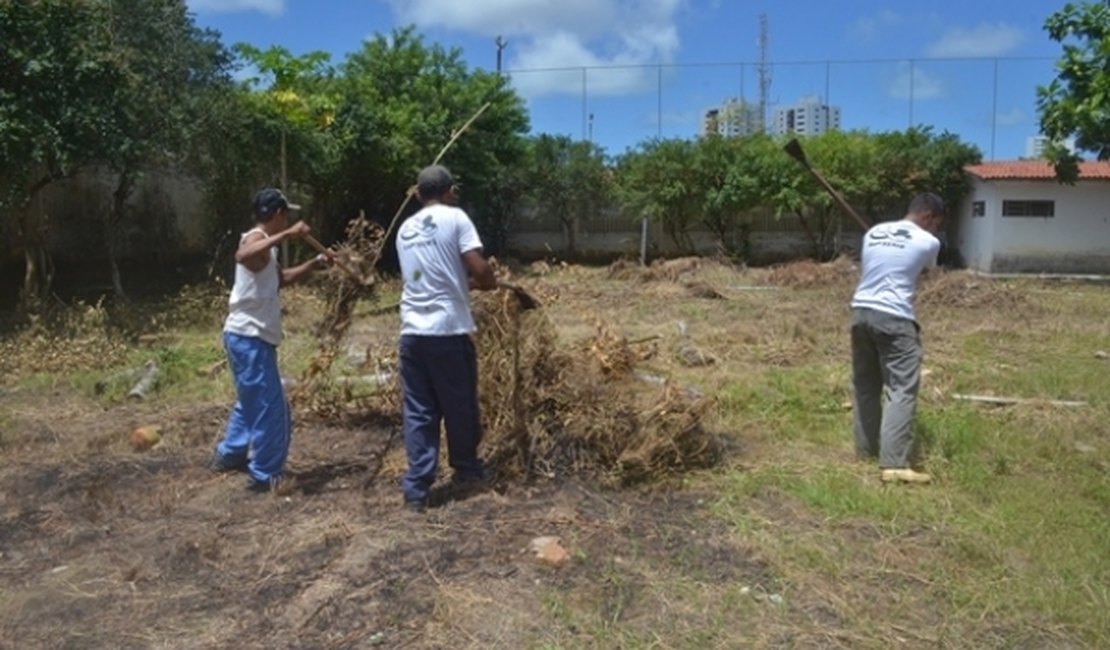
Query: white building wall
[[1075, 240], [809, 116], [975, 235]]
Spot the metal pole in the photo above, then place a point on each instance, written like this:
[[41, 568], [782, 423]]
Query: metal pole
[[828, 71], [643, 241], [285, 189], [911, 92], [994, 108], [585, 110], [659, 103], [500, 43]]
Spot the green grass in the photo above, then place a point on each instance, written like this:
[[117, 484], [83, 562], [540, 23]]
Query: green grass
[[1010, 547], [1023, 515]]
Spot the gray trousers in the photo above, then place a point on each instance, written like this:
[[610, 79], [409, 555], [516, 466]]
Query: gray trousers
[[886, 353]]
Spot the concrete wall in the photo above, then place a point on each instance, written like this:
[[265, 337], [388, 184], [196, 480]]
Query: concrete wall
[[611, 236], [766, 247], [975, 235], [1075, 240], [167, 215]]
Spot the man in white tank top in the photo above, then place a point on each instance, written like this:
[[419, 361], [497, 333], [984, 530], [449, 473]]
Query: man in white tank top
[[886, 339], [259, 428], [441, 260]]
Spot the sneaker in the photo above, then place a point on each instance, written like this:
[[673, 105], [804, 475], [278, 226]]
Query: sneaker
[[462, 487], [417, 506], [905, 475], [264, 487], [221, 464]]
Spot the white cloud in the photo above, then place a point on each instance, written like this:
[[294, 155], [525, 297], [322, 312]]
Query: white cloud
[[546, 34], [1012, 117], [272, 7], [868, 28], [911, 81], [983, 40]]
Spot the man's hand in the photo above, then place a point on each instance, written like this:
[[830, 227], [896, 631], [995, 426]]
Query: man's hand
[[299, 229]]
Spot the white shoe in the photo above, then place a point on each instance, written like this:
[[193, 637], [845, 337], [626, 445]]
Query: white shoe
[[905, 475]]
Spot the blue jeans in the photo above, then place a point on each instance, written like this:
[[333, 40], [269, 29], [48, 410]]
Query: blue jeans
[[439, 378], [260, 424]]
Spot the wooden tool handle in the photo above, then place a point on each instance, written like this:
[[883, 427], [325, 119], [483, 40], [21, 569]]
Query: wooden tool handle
[[314, 243]]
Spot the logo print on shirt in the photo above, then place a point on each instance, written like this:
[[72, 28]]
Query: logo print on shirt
[[426, 228], [901, 233]]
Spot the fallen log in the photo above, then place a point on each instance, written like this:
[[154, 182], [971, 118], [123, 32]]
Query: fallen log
[[131, 374], [1011, 401], [146, 383]]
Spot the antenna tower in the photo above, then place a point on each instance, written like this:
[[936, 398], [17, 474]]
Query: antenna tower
[[764, 72]]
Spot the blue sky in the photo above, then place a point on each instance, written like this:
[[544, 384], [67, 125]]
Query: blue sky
[[655, 66]]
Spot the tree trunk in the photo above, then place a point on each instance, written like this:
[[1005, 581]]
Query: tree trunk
[[114, 220], [570, 230], [809, 233], [38, 274]]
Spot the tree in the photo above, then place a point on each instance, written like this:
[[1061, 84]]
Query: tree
[[569, 179], [399, 102], [730, 171], [659, 181], [297, 95], [58, 94], [170, 71], [1075, 102]]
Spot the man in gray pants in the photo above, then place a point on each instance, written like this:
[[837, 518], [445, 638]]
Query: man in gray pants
[[886, 339]]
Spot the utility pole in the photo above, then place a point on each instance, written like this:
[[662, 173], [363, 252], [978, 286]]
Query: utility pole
[[500, 43], [590, 130], [764, 72]]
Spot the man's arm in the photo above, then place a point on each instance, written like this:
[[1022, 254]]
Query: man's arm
[[297, 273], [254, 252], [479, 272]]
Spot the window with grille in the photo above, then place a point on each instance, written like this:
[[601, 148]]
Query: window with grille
[[1029, 208]]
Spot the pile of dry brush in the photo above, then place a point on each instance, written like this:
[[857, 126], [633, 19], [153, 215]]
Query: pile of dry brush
[[551, 411], [548, 410]]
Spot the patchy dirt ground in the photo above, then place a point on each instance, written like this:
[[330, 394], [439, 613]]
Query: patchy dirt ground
[[105, 547]]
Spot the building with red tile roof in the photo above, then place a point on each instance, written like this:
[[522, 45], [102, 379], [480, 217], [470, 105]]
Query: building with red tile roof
[[1018, 218]]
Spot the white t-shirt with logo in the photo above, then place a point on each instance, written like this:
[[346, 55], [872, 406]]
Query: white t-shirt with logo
[[893, 256], [435, 300], [254, 307]]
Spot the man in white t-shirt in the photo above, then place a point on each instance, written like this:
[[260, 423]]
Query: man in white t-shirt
[[886, 339], [441, 260], [260, 425]]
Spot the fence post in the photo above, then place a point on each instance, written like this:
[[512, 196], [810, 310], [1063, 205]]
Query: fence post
[[643, 241]]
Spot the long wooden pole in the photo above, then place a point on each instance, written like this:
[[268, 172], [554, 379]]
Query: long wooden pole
[[412, 190]]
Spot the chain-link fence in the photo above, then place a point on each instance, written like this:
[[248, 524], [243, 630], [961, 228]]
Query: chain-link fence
[[990, 102]]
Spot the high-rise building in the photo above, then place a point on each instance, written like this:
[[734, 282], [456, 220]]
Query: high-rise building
[[809, 116], [1035, 146], [732, 119]]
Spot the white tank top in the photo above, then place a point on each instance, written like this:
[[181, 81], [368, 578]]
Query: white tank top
[[254, 308]]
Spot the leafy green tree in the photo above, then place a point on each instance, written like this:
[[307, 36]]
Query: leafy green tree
[[58, 93], [660, 181], [400, 102], [1074, 103], [298, 94], [171, 69], [730, 172], [569, 179]]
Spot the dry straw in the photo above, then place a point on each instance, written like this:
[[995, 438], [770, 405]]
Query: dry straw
[[551, 411]]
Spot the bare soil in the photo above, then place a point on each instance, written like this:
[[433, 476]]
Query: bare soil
[[102, 546]]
